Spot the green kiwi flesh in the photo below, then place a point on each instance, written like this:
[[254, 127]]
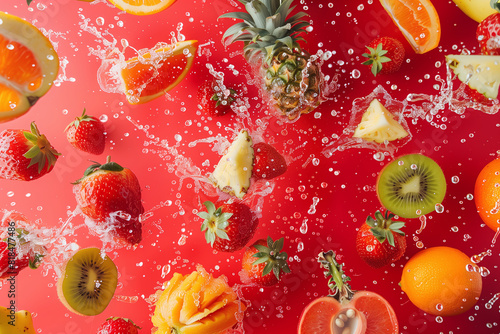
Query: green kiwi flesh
[[88, 282], [411, 186]]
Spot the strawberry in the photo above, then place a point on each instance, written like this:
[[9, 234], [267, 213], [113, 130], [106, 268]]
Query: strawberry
[[371, 237], [87, 134], [385, 55], [117, 325], [229, 227], [214, 99], [16, 254], [110, 195], [488, 32], [263, 262], [268, 163], [475, 96], [25, 155]]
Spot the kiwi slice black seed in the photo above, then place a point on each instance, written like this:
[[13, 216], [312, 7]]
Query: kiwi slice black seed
[[88, 282], [411, 186]]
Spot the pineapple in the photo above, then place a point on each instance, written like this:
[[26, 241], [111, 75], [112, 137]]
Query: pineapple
[[271, 37], [234, 170], [197, 303], [379, 125], [481, 73]]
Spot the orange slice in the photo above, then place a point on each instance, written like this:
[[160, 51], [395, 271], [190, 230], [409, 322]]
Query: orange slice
[[142, 7], [418, 20], [152, 74], [28, 66]]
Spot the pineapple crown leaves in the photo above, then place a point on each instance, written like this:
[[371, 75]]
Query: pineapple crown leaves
[[266, 28], [41, 152], [337, 279], [495, 4], [214, 223], [383, 226], [78, 120], [376, 58], [109, 166], [273, 257]]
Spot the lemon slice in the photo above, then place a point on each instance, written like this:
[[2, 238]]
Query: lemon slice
[[379, 125], [28, 66], [142, 7]]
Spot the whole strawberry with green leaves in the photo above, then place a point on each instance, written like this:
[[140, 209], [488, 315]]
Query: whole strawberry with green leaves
[[117, 325], [110, 195], [264, 262], [229, 227], [25, 155], [87, 133], [380, 241], [385, 55]]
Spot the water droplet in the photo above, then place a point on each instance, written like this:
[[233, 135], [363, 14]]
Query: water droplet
[[300, 247], [439, 208], [303, 227], [439, 319], [439, 307], [455, 179], [10, 194], [454, 229], [470, 197], [10, 47], [165, 270], [178, 137], [379, 156], [182, 240], [103, 118], [99, 21], [356, 74]]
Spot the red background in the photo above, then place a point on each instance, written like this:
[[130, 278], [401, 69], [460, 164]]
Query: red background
[[343, 183]]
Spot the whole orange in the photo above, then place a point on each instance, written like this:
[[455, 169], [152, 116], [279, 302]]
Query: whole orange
[[441, 281], [487, 194]]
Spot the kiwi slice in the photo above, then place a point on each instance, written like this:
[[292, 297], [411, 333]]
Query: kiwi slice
[[411, 186], [87, 282]]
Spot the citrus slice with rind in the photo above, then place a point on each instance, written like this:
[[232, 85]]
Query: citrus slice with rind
[[152, 74], [479, 72], [366, 313], [28, 66], [142, 7], [418, 20], [379, 125]]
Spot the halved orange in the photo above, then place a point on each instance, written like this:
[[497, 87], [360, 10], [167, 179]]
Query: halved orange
[[28, 66], [418, 20], [150, 75], [142, 7]]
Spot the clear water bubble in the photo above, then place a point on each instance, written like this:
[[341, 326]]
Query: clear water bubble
[[455, 179], [439, 208]]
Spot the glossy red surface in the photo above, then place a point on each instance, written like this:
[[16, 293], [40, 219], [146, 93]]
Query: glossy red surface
[[331, 195]]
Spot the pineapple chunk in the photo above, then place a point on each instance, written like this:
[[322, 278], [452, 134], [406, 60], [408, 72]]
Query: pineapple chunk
[[379, 125], [18, 322], [480, 72], [233, 172]]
